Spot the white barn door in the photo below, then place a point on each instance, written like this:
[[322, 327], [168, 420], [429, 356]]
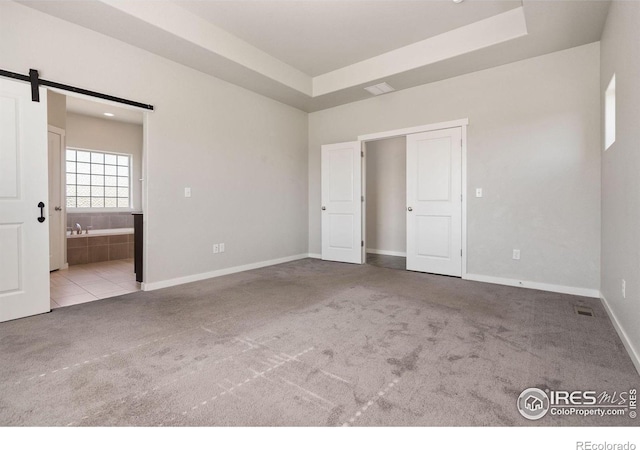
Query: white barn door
[[24, 240], [434, 202], [341, 167]]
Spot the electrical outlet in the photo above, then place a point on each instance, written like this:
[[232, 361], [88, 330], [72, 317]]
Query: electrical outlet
[[478, 192], [222, 247], [216, 248], [624, 289], [516, 253], [187, 192]]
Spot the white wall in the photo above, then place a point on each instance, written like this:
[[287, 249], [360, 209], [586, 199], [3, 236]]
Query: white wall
[[533, 146], [243, 155], [92, 133], [386, 193], [621, 172], [56, 110]]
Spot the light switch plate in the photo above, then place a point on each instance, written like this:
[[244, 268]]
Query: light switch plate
[[221, 247], [187, 192], [216, 248], [516, 253], [478, 192]]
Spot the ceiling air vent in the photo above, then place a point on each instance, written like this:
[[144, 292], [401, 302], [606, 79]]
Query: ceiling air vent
[[379, 89]]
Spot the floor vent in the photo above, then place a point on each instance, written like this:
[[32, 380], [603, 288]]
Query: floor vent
[[583, 311]]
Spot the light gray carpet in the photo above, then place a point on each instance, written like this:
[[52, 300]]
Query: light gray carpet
[[308, 343]]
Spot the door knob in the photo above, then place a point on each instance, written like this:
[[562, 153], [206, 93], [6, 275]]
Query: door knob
[[57, 208], [324, 208], [410, 208]]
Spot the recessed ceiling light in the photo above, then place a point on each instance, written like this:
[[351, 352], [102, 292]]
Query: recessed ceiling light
[[458, 1], [379, 89], [109, 114]]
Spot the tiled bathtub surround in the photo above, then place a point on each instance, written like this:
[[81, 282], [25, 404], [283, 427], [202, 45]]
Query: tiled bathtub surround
[[90, 249], [100, 221]]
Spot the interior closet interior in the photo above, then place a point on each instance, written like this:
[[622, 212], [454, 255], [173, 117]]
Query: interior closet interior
[[385, 194]]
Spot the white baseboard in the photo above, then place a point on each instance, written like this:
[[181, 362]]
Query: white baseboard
[[314, 255], [633, 353], [583, 292], [218, 273], [375, 251]]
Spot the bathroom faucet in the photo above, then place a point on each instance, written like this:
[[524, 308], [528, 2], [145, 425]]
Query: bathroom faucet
[[78, 228]]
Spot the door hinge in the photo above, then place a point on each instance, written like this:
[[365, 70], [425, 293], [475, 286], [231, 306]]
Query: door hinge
[[361, 243], [460, 252], [362, 198], [361, 153]]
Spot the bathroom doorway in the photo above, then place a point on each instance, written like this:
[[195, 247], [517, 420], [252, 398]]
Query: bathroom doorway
[[95, 186]]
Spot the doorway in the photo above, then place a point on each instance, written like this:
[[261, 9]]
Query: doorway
[[385, 168], [434, 204], [95, 186], [26, 257]]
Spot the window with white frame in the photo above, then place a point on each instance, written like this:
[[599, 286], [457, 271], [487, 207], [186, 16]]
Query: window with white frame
[[610, 114], [98, 179]]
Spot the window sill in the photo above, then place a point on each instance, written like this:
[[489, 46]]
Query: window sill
[[99, 210]]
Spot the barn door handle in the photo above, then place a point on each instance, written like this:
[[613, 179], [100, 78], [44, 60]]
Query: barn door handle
[[41, 218]]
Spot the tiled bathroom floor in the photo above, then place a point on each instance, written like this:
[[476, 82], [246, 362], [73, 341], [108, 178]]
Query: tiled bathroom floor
[[89, 282]]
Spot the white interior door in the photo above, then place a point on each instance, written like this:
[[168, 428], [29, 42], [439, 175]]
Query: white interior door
[[24, 241], [341, 166], [434, 202], [55, 207]]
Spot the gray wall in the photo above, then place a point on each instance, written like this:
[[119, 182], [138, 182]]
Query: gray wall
[[386, 193], [533, 146], [621, 170], [243, 155], [92, 133]]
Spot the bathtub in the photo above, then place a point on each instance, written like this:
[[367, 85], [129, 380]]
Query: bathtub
[[107, 232], [100, 245]]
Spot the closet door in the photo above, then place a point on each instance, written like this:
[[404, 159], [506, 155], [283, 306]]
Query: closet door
[[341, 166], [434, 202]]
